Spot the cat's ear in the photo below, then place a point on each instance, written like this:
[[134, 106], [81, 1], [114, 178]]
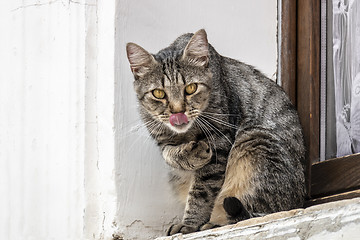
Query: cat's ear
[[197, 50], [140, 60]]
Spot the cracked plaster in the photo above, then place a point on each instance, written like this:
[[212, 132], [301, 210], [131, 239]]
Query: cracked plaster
[[65, 3]]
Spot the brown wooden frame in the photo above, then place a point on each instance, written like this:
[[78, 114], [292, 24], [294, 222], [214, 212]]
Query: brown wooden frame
[[300, 78]]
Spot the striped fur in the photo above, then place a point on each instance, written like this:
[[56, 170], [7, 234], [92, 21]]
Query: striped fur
[[243, 140]]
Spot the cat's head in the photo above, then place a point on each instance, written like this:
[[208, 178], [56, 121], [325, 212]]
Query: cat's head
[[174, 85]]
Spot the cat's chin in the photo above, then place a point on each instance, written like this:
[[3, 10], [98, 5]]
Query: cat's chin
[[180, 128]]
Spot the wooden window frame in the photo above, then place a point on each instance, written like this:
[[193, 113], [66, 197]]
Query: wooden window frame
[[300, 57]]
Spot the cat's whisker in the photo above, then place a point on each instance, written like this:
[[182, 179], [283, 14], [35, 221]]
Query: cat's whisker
[[222, 122], [153, 129], [136, 129], [216, 130], [162, 127], [147, 138], [158, 130], [132, 124], [222, 114], [150, 126], [133, 143], [141, 125], [206, 131], [208, 135]]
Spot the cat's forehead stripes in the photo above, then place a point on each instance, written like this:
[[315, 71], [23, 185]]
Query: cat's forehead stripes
[[176, 80], [171, 71]]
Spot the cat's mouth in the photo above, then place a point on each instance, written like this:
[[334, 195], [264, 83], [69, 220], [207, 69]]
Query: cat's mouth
[[178, 119], [179, 122]]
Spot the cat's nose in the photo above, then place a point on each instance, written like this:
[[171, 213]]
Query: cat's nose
[[177, 107]]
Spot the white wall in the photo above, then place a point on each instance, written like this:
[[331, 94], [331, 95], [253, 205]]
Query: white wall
[[41, 97], [56, 119], [99, 181], [241, 29], [60, 111]]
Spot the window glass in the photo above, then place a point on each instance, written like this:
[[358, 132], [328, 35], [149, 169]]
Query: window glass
[[343, 78]]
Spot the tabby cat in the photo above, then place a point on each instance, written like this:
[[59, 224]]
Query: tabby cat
[[230, 134]]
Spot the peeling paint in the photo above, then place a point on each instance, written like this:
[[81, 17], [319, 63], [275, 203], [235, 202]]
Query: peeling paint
[[64, 3], [35, 5]]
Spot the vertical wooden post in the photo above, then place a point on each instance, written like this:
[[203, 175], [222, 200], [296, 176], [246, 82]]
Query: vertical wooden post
[[308, 76], [288, 48]]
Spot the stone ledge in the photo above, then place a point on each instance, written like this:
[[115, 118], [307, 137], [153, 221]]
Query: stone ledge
[[335, 220]]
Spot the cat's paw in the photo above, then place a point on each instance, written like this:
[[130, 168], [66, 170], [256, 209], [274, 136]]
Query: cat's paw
[[199, 154], [180, 228], [208, 226]]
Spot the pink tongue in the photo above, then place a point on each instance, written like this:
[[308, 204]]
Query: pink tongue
[[178, 119]]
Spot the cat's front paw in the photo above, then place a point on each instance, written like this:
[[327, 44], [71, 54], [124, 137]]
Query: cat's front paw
[[208, 226], [180, 228], [199, 154]]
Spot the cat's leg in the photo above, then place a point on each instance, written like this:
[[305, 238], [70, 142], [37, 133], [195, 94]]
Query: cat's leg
[[207, 183], [188, 156], [239, 183], [235, 210], [260, 175], [181, 181], [218, 217], [229, 212], [277, 172]]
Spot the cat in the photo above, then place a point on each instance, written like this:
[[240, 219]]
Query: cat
[[231, 135]]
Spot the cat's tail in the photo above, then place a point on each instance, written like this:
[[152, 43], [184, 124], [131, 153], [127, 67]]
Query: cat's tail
[[236, 211]]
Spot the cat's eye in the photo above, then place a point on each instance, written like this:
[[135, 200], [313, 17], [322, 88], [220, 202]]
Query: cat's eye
[[191, 88], [158, 93]]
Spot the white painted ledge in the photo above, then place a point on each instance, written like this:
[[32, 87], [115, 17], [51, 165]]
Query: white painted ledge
[[336, 220]]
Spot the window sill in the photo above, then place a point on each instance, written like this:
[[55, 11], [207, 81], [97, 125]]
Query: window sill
[[335, 220]]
